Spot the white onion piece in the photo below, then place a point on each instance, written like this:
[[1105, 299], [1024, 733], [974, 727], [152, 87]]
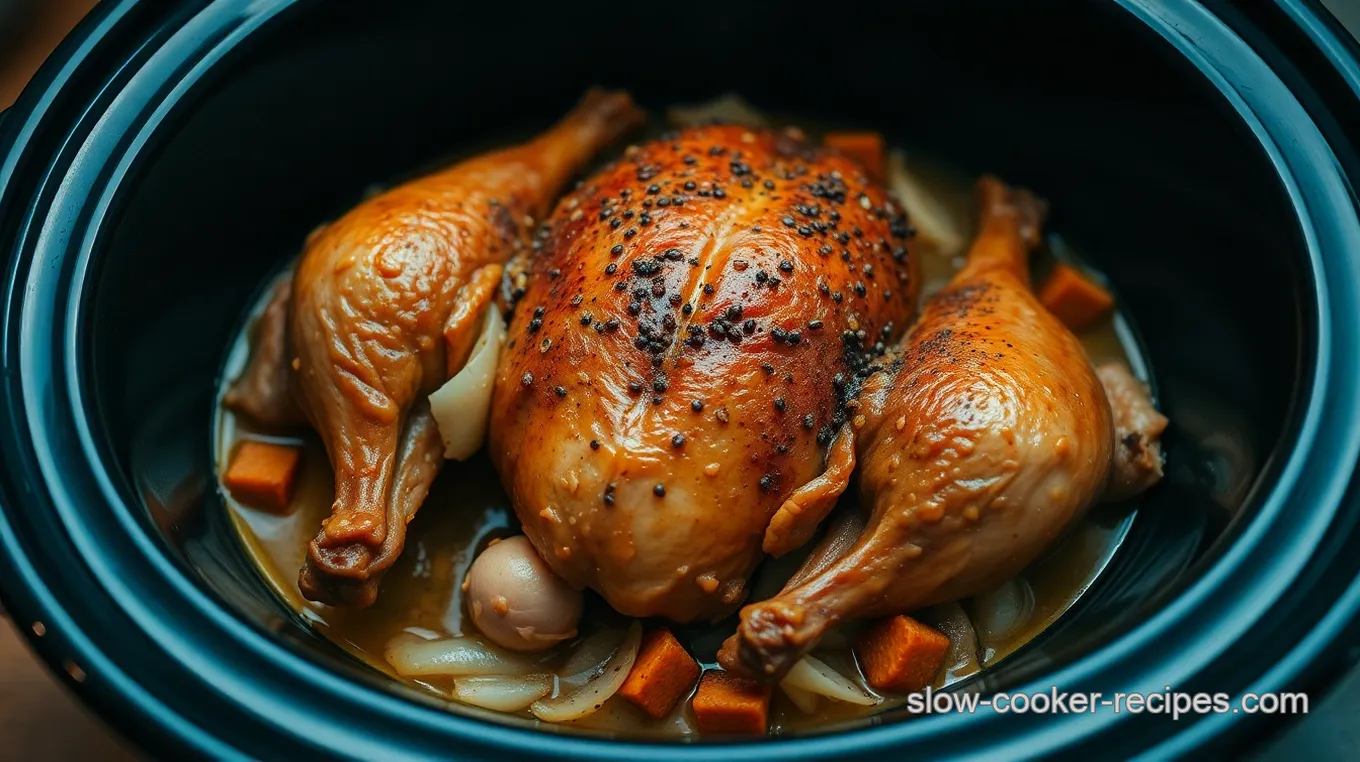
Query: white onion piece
[[814, 676], [503, 694], [578, 702], [1003, 612], [462, 405], [840, 538], [953, 621], [931, 218], [728, 108], [621, 717], [806, 701], [590, 656], [793, 568], [413, 656]]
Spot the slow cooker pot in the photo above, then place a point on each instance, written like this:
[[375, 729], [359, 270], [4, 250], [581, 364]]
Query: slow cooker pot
[[170, 156]]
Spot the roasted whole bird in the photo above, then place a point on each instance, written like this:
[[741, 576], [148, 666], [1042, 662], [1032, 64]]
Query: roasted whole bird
[[382, 309], [986, 434], [669, 404]]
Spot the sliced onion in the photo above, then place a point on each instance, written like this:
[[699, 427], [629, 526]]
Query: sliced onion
[[840, 537], [462, 405], [728, 108], [953, 621], [503, 694], [931, 217], [806, 701], [814, 676], [1002, 613], [413, 656], [580, 701], [590, 656], [622, 718]]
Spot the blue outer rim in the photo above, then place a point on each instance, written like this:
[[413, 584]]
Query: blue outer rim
[[261, 695]]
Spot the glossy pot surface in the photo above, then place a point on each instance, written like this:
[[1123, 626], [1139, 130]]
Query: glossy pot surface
[[167, 159]]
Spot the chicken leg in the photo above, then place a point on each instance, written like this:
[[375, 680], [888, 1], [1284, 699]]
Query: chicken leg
[[985, 436], [383, 308]]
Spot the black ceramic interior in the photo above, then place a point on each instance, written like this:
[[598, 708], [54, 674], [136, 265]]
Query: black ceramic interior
[[1150, 170], [1148, 174]]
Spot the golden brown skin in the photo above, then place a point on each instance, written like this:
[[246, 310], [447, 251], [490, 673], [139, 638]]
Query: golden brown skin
[[384, 308], [672, 373], [1138, 428], [986, 436], [263, 391]]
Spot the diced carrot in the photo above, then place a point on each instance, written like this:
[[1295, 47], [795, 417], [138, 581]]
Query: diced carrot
[[261, 474], [864, 147], [727, 703], [1073, 298], [901, 655], [662, 674]]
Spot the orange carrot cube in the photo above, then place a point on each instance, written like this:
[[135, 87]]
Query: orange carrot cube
[[662, 674], [864, 147], [901, 655], [262, 474], [726, 703], [1073, 298]]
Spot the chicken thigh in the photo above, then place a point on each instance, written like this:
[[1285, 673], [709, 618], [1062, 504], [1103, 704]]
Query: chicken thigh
[[383, 308], [985, 436], [669, 404]]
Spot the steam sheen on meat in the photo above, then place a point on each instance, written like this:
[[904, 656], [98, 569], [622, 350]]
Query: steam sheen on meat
[[383, 308], [670, 405], [984, 437]]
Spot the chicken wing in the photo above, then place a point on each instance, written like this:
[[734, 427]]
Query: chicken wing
[[384, 308], [669, 404], [986, 434]]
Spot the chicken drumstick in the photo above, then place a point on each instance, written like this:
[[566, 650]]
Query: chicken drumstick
[[384, 307], [986, 435]]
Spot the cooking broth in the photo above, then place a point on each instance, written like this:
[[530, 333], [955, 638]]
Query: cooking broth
[[466, 508]]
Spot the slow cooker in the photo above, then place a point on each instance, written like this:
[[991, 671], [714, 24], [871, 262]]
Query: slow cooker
[[170, 155]]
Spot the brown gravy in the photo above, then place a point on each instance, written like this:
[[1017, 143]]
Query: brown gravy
[[466, 508]]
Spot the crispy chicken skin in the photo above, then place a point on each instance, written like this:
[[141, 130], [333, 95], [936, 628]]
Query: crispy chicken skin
[[668, 407], [383, 308], [985, 436]]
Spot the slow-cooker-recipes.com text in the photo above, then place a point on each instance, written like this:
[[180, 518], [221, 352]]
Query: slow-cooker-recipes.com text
[[1054, 701]]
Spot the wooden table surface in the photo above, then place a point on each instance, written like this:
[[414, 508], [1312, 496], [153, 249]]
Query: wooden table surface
[[40, 719]]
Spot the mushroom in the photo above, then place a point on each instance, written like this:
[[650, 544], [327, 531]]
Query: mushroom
[[517, 601]]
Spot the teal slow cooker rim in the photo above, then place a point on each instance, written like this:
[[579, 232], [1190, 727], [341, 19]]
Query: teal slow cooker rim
[[81, 149]]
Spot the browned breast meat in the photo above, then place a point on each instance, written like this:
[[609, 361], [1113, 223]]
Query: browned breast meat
[[985, 436], [372, 329], [669, 405]]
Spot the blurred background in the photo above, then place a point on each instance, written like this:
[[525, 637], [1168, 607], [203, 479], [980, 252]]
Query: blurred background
[[29, 30], [38, 720]]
